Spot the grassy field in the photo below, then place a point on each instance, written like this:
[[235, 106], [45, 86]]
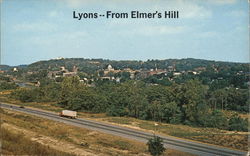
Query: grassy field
[[231, 139], [17, 144], [57, 137]]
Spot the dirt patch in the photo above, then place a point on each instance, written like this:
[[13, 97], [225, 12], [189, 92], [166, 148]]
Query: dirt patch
[[91, 133], [48, 141]]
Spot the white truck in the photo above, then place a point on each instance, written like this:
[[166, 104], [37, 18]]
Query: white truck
[[68, 113]]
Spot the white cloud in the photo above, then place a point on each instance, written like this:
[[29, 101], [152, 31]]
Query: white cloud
[[222, 2], [208, 34], [238, 13], [83, 3], [241, 28], [151, 30], [161, 30], [39, 26], [59, 38], [187, 9], [127, 23], [194, 11], [75, 3], [145, 27], [53, 14]]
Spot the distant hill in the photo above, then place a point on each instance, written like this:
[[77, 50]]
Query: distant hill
[[5, 67], [90, 65], [93, 65]]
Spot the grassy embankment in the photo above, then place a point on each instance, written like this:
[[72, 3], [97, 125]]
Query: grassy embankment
[[17, 144], [231, 139], [58, 138]]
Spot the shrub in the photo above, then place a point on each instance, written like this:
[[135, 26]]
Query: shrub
[[155, 146], [7, 85], [236, 123], [215, 119], [22, 94]]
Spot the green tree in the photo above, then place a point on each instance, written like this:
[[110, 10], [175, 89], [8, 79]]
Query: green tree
[[7, 85], [237, 99], [50, 92], [101, 73], [190, 96], [87, 99], [216, 119], [118, 100], [155, 146], [23, 94], [170, 113], [69, 85], [236, 123], [137, 101]]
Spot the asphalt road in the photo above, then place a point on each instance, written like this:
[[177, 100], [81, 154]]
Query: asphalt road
[[169, 142]]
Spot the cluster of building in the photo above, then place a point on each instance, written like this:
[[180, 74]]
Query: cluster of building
[[110, 69], [113, 74], [110, 73], [63, 72], [141, 74]]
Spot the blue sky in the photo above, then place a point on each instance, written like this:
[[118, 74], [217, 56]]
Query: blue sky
[[33, 30]]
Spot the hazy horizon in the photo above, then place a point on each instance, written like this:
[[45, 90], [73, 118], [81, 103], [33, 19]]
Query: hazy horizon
[[122, 60]]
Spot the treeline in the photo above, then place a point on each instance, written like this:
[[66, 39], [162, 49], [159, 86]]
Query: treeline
[[229, 93], [90, 66], [190, 103], [6, 84], [226, 77]]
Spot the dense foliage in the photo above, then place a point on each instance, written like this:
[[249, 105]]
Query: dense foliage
[[188, 103], [7, 85]]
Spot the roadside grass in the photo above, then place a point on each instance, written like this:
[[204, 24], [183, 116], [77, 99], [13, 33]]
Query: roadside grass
[[91, 141], [49, 106], [17, 144], [230, 113], [75, 135], [120, 120], [231, 139]]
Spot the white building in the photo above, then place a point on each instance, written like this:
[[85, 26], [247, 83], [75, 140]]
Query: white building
[[15, 70]]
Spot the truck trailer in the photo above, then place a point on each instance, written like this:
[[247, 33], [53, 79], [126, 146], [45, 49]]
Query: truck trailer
[[68, 113]]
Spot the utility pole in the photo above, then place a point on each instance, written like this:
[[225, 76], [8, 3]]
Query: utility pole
[[156, 124]]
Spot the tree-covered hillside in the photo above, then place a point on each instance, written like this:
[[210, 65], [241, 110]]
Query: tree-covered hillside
[[94, 64], [184, 91]]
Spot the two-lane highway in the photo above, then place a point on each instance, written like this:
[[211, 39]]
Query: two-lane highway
[[169, 142]]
